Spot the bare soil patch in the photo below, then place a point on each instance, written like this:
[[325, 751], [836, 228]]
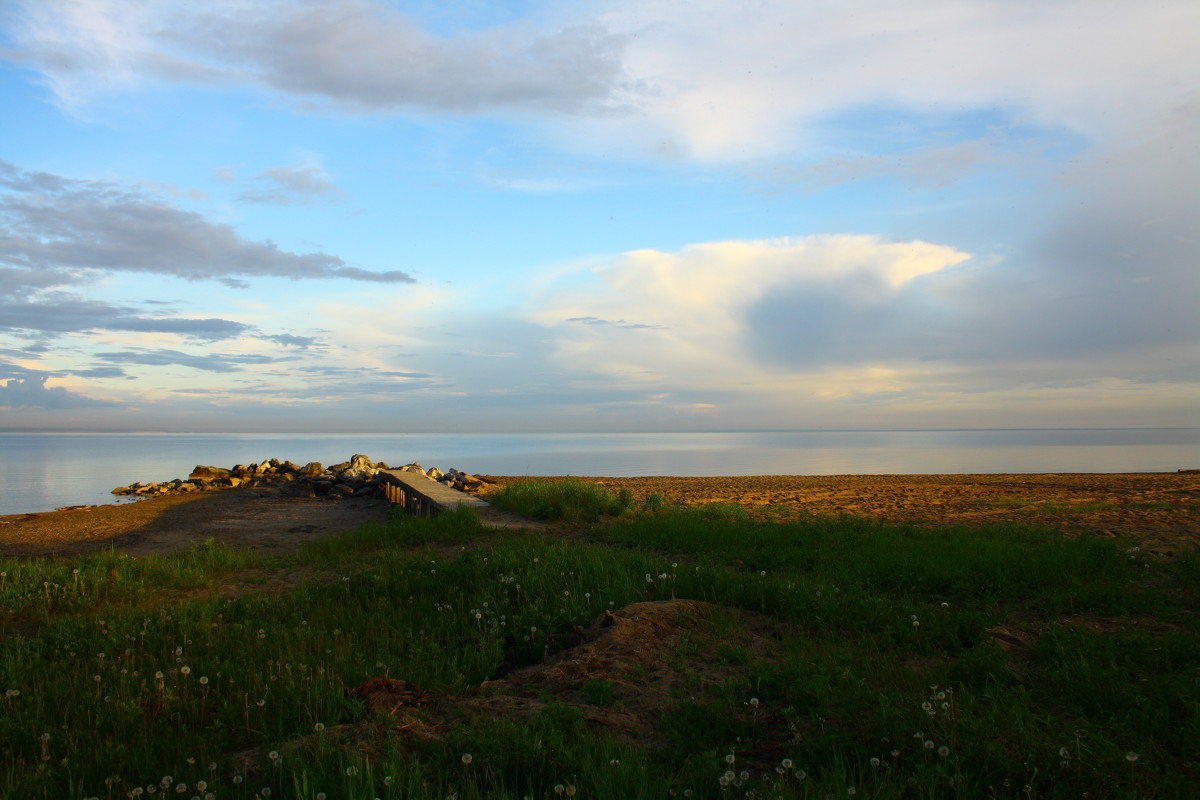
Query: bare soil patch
[[256, 519], [1160, 508]]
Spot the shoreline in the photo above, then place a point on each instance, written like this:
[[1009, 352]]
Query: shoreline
[[1160, 509]]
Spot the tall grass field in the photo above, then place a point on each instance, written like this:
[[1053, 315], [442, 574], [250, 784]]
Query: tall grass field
[[822, 657]]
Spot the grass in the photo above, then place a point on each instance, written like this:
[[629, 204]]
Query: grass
[[562, 499], [119, 676]]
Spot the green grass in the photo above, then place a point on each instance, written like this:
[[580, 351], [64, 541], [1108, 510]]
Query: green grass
[[563, 499], [131, 670]]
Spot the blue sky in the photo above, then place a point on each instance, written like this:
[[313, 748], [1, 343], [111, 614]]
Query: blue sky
[[355, 215]]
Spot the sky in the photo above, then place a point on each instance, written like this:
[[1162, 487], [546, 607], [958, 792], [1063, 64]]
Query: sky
[[614, 215]]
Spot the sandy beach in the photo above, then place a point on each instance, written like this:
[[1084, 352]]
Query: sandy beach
[[1161, 510]]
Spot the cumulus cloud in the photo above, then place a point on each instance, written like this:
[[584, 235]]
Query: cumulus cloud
[[700, 309], [52, 223], [32, 392]]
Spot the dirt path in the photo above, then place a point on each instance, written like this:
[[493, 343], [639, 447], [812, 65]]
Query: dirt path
[[257, 519]]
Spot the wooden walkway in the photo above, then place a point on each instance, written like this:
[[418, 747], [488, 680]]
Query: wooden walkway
[[422, 496]]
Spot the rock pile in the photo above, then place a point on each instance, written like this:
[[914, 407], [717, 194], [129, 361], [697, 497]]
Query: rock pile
[[354, 478]]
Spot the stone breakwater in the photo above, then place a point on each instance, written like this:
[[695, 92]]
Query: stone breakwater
[[354, 478]]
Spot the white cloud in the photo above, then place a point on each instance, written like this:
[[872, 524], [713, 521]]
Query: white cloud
[[691, 313], [707, 79], [735, 80]]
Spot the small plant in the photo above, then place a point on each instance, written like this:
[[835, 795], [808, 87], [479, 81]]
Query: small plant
[[598, 692]]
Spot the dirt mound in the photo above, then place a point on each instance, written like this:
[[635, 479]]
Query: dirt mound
[[633, 664]]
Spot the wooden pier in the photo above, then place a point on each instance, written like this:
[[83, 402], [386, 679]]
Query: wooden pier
[[422, 496]]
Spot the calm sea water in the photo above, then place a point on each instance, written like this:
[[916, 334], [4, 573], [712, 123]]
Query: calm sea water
[[40, 472]]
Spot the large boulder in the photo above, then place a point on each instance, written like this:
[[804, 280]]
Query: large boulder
[[312, 469], [202, 473]]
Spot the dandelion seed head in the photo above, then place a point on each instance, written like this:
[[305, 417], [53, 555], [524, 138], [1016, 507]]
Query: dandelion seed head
[[943, 751], [467, 758], [729, 759], [1131, 757]]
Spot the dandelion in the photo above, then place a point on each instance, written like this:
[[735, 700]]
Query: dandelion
[[570, 790], [851, 791], [874, 762], [801, 775], [185, 670], [467, 758], [754, 702], [266, 791], [387, 780], [320, 796], [201, 786], [158, 675], [729, 758], [943, 751], [1064, 752], [788, 763], [212, 766], [237, 779], [180, 788], [929, 745], [744, 775], [320, 726], [558, 787], [273, 755], [203, 680], [1131, 757]]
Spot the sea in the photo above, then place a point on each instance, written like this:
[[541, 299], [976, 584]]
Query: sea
[[45, 471]]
